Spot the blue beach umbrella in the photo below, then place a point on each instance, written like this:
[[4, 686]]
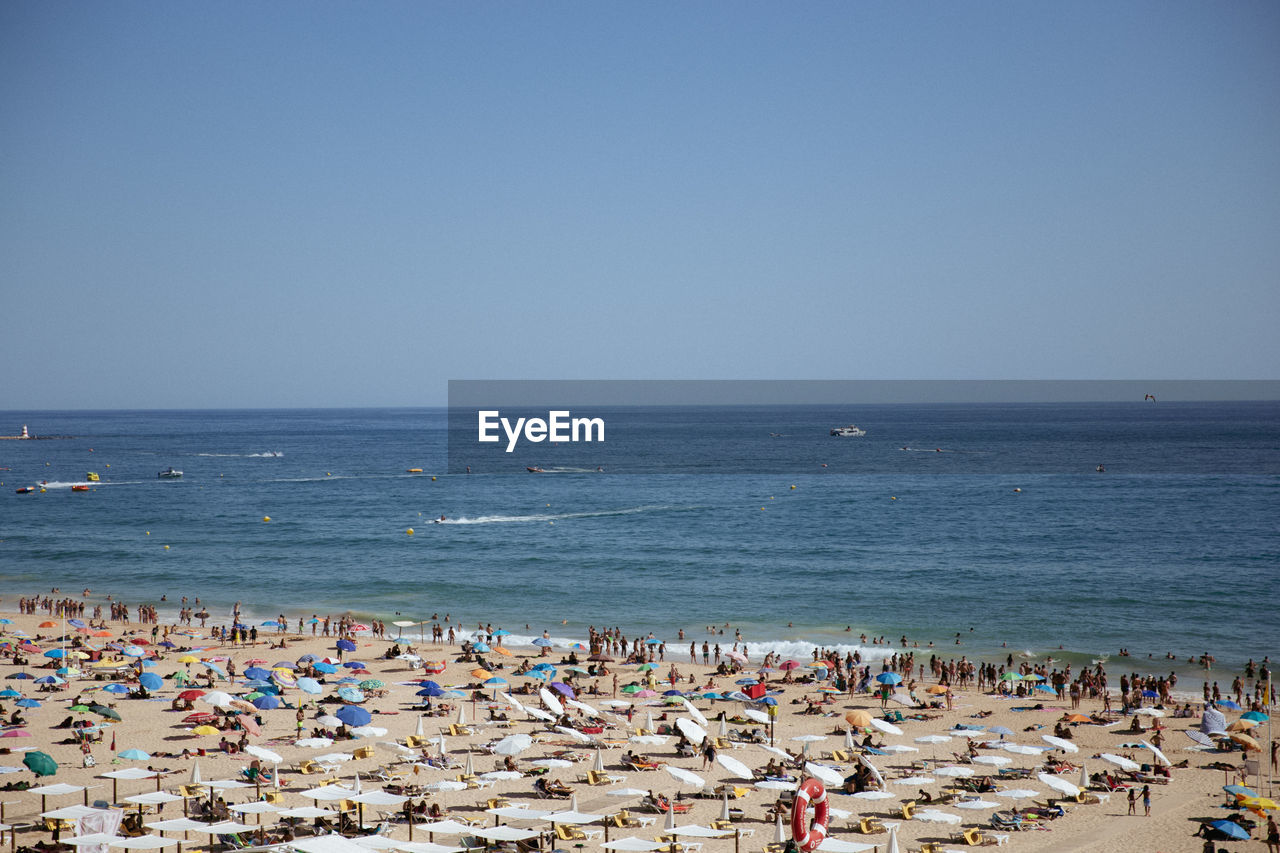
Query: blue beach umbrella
[[49, 679], [310, 685], [151, 681], [353, 715], [307, 659], [1231, 829], [480, 647], [428, 683], [257, 673], [76, 623], [433, 692], [502, 632], [133, 755], [1225, 703], [27, 703], [543, 674], [355, 664], [21, 676], [351, 694], [326, 668], [346, 646], [55, 653], [653, 642], [284, 664], [9, 693], [889, 678], [266, 702], [271, 623], [1257, 716], [214, 668], [496, 681], [542, 642]]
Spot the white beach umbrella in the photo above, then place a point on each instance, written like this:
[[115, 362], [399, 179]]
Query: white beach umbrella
[[551, 701], [691, 730], [734, 766], [626, 792], [580, 737], [756, 715], [1059, 784], [1121, 762], [694, 712], [1149, 712], [1021, 749], [1061, 743], [1018, 793], [933, 739], [773, 750], [502, 775], [633, 844], [1160, 756], [777, 785], [953, 770], [1084, 777], [582, 706], [915, 780], [685, 776], [446, 785], [724, 726], [976, 805], [887, 728], [898, 748], [993, 760], [935, 816], [329, 721], [551, 762], [512, 701], [540, 714], [216, 698], [874, 795], [314, 742], [261, 752], [597, 763], [825, 775], [649, 739]]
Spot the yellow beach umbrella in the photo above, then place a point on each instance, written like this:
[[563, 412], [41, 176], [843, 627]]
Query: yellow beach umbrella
[[188, 659], [936, 689], [1259, 803], [858, 718], [1242, 725], [1247, 742], [482, 673], [205, 730]]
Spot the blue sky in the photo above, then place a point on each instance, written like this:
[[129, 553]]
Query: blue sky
[[346, 204]]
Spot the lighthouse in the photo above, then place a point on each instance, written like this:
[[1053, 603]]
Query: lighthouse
[[25, 434]]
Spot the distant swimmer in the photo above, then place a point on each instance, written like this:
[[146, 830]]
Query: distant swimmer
[[1101, 469], [600, 469], [1150, 397]]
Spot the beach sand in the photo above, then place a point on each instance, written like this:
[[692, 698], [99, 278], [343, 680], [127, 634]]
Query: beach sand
[[152, 726]]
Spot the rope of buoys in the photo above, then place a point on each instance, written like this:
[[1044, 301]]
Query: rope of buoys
[[808, 836]]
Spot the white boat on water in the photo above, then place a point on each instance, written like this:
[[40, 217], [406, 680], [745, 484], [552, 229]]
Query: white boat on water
[[170, 474], [850, 431]]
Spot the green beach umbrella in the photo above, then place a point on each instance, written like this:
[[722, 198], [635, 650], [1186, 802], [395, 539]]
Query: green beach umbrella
[[40, 763]]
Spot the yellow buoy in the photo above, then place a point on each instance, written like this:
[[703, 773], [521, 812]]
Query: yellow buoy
[[266, 518], [409, 531], [148, 532], [893, 498], [793, 486], [433, 479], [166, 547]]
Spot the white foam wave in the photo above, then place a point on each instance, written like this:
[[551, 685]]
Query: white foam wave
[[543, 517], [794, 649], [270, 454]]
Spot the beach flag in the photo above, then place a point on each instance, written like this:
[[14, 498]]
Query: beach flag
[[113, 741]]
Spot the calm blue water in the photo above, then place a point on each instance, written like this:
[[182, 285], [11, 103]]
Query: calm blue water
[[1175, 548]]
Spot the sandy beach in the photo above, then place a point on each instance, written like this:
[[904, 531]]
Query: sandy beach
[[604, 724]]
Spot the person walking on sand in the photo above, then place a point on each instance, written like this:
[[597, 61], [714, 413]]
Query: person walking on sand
[[1273, 835], [1133, 801], [1146, 800]]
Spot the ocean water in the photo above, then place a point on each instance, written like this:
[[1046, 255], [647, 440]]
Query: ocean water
[[915, 529]]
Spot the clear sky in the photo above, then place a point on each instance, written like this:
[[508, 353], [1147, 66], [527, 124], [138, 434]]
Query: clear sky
[[346, 204]]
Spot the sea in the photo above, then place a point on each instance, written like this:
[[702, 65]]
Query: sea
[[983, 530]]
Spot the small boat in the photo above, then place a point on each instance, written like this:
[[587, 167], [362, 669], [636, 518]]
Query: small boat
[[413, 470], [534, 470], [850, 431], [25, 490], [92, 477], [170, 474], [79, 487]]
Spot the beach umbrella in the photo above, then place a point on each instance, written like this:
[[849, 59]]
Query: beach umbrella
[[1254, 715], [889, 678], [1231, 829], [350, 694], [1060, 743], [777, 785], [695, 713], [310, 685], [1246, 741], [266, 702], [133, 755], [826, 775], [1158, 753], [993, 760], [756, 715], [887, 728], [976, 805], [874, 795], [936, 816], [933, 739], [40, 763], [1121, 762], [691, 730], [353, 715], [552, 703], [1018, 793], [1059, 784], [954, 770], [859, 718], [685, 776], [734, 766], [915, 780]]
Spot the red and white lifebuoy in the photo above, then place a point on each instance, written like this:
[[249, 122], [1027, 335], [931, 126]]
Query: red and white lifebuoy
[[806, 836]]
